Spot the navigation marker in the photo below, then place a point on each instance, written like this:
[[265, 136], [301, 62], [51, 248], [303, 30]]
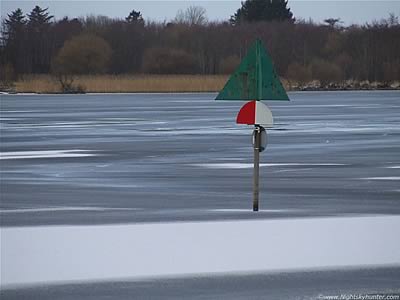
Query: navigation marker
[[255, 113], [255, 79]]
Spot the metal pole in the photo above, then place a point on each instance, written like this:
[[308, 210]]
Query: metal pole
[[257, 141]]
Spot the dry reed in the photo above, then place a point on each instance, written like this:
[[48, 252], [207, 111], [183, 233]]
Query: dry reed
[[37, 84], [126, 83]]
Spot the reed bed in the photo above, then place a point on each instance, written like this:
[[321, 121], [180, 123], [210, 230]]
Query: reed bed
[[167, 84], [37, 84], [125, 83]]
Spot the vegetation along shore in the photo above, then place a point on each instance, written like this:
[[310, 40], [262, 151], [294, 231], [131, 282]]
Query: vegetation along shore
[[100, 54], [47, 84]]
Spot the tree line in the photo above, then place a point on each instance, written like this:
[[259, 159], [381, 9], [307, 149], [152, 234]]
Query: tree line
[[301, 50]]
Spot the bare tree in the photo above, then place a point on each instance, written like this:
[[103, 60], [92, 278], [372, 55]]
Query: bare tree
[[193, 15]]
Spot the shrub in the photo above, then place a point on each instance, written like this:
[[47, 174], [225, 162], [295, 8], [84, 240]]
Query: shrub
[[326, 72], [168, 61], [299, 73], [229, 64], [7, 74], [83, 54], [391, 71]]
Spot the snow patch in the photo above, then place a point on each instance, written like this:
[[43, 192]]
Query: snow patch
[[237, 210], [250, 165], [53, 209], [19, 111], [43, 255], [383, 178], [45, 154]]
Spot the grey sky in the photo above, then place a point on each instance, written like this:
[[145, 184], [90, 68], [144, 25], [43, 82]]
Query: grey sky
[[348, 11]]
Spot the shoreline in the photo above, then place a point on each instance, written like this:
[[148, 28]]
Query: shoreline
[[184, 92], [145, 83]]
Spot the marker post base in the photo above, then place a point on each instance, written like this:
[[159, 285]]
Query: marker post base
[[257, 142]]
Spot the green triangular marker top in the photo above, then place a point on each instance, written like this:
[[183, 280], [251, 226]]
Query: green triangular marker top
[[254, 79]]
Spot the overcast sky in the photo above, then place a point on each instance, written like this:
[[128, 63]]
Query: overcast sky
[[349, 12]]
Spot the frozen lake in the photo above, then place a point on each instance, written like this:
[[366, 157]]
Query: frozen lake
[[103, 159], [116, 173]]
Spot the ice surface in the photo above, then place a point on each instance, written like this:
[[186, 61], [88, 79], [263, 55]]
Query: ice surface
[[37, 255]]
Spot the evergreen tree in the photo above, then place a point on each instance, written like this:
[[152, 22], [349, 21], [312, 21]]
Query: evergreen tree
[[135, 17], [40, 39], [262, 10], [13, 38], [14, 24], [332, 22], [39, 19]]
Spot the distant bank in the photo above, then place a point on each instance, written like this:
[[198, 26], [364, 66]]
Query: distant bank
[[166, 83]]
